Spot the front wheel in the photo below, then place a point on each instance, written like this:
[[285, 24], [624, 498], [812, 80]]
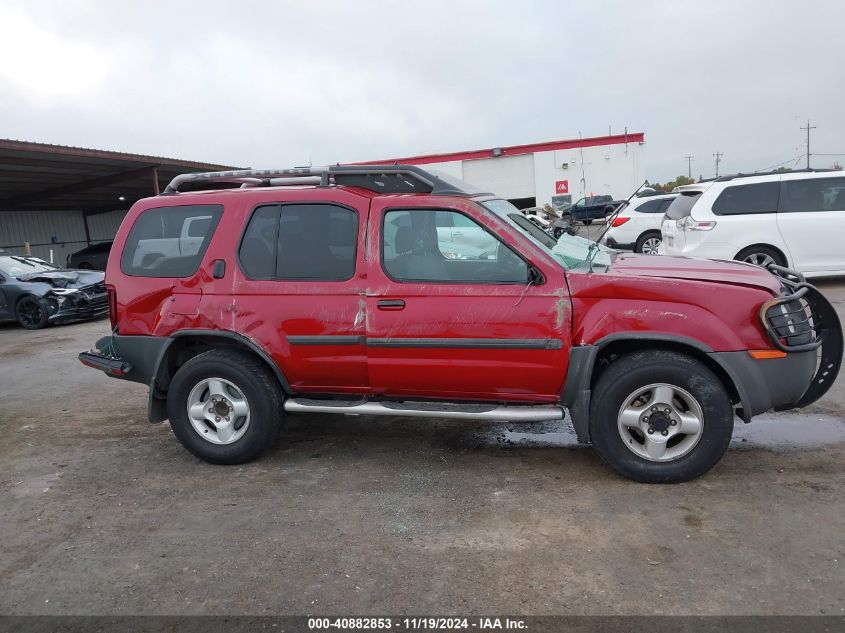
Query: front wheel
[[31, 313], [660, 417], [225, 406]]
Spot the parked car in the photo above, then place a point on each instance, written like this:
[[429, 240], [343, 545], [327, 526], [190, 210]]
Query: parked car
[[93, 257], [637, 226], [35, 293], [593, 208], [338, 298], [793, 219]]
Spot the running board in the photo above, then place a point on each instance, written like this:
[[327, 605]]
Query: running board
[[455, 411]]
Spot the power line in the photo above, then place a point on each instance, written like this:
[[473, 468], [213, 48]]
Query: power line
[[718, 156], [791, 160], [689, 166], [808, 128]]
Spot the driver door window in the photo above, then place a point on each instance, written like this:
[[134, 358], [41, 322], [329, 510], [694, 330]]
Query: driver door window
[[446, 246]]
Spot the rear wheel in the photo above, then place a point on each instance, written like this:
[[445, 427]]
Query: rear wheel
[[31, 314], [648, 243], [761, 256], [588, 222], [225, 406], [660, 417]]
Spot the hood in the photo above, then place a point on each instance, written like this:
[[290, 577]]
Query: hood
[[694, 269], [65, 278]]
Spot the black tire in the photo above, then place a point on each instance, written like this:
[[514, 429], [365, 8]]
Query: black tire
[[631, 372], [31, 313], [588, 222], [760, 252], [259, 387], [641, 240], [558, 232]]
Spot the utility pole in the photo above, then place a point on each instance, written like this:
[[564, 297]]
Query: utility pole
[[718, 156], [808, 127], [689, 166]]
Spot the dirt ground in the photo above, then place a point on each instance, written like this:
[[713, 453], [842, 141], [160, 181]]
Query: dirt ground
[[103, 513]]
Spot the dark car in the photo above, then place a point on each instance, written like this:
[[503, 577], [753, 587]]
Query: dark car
[[92, 257], [593, 208], [35, 293]]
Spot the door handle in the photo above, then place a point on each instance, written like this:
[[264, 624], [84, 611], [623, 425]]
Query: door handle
[[390, 304]]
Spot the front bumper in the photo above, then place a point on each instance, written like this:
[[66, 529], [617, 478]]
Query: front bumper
[[804, 325], [78, 307]]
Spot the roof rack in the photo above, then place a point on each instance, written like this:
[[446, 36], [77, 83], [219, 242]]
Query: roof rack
[[379, 178], [765, 173]]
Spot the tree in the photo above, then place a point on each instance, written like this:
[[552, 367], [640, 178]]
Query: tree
[[678, 182]]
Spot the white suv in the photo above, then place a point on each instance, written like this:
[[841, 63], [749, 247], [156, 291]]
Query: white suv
[[794, 219], [637, 226]]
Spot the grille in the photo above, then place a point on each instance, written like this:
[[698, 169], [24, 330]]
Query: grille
[[94, 289]]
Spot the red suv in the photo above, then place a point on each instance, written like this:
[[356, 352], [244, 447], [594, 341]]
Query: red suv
[[397, 291]]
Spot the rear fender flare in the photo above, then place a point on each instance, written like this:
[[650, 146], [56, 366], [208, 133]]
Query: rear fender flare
[[161, 374]]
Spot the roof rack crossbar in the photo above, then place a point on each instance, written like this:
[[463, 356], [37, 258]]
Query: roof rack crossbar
[[380, 178]]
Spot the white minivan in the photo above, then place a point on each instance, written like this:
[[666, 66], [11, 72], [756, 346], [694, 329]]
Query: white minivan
[[794, 219]]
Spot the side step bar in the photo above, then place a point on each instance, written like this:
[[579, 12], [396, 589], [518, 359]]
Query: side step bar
[[455, 411]]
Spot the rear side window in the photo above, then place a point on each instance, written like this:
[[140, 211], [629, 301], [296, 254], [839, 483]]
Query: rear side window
[[169, 241], [819, 194], [300, 242], [653, 206], [747, 199]]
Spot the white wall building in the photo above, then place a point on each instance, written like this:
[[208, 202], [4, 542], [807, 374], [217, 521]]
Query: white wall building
[[555, 172]]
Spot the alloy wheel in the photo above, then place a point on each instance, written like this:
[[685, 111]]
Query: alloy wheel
[[30, 312], [660, 422], [651, 245], [760, 259], [218, 411]]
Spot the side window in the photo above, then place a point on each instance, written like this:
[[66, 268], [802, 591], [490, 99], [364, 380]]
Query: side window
[[257, 253], [164, 243], [316, 242], [746, 199], [416, 247], [652, 206], [819, 194]]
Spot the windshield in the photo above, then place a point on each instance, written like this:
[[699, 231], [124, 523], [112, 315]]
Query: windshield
[[570, 251], [16, 266]]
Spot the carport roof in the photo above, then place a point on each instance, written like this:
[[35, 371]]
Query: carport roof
[[43, 177]]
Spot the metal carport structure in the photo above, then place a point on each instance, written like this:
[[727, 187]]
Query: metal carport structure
[[54, 197]]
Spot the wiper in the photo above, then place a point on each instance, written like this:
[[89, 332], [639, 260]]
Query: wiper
[[22, 260], [594, 246]]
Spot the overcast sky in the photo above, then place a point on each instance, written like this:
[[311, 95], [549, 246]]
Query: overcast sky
[[275, 84]]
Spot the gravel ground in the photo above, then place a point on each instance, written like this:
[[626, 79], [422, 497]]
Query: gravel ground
[[103, 513]]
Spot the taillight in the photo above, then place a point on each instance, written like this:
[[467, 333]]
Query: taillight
[[619, 221], [112, 305], [688, 224]]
